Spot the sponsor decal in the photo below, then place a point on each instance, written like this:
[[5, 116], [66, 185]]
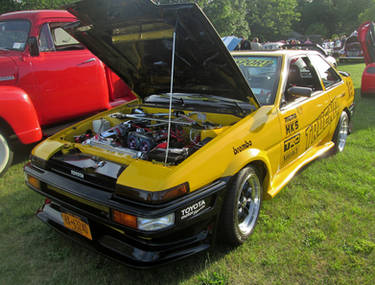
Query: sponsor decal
[[290, 118], [291, 124], [291, 146], [77, 174], [193, 209], [242, 147], [323, 121], [252, 62]]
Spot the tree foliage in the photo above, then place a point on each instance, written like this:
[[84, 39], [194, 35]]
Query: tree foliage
[[228, 16], [272, 19], [327, 17], [14, 5], [369, 13], [266, 19]]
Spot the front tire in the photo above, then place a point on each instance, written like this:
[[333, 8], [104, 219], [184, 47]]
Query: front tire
[[6, 154], [241, 206], [341, 133]]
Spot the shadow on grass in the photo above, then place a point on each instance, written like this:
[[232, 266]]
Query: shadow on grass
[[364, 113], [22, 152]]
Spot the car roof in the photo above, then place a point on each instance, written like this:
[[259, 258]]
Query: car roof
[[36, 15], [281, 52]]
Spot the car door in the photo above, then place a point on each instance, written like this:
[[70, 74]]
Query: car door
[[71, 80], [302, 117], [335, 88]]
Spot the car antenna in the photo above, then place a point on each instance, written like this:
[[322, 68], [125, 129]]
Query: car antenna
[[171, 95]]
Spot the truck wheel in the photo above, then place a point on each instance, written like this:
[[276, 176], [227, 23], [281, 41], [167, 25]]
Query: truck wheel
[[6, 154], [241, 206], [341, 133]]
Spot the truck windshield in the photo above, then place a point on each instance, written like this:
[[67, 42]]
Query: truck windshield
[[14, 34], [263, 74]]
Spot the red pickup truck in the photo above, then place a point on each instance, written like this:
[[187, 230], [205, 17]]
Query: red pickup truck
[[47, 78]]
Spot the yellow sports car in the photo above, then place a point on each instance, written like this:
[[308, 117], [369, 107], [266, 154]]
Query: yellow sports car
[[211, 135]]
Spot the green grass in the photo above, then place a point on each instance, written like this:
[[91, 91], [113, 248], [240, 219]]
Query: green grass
[[320, 229]]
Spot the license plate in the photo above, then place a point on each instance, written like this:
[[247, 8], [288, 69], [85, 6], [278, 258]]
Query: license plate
[[76, 224]]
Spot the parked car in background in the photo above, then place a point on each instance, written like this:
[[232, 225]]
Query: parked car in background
[[315, 47], [328, 47], [47, 77], [273, 45], [366, 35], [212, 136], [351, 49]]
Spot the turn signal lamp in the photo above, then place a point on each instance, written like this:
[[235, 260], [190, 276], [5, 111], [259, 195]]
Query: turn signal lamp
[[156, 197], [124, 219], [33, 181]]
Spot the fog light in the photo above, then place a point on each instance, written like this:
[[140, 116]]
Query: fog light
[[33, 181], [147, 224]]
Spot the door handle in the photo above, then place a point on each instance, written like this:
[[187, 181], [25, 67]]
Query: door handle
[[88, 61]]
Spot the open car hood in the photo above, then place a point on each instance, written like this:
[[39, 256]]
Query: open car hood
[[366, 36], [135, 38]]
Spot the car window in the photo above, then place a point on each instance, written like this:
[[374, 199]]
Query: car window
[[300, 74], [263, 75], [54, 38], [327, 73], [45, 39], [14, 34], [63, 39]]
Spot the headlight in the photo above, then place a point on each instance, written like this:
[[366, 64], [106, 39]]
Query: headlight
[[144, 224]]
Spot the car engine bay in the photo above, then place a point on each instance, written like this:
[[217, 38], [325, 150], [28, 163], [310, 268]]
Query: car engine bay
[[144, 135]]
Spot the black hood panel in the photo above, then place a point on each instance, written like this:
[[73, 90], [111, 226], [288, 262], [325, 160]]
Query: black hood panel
[[135, 39]]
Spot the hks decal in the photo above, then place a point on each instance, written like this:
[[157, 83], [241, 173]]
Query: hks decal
[[291, 124]]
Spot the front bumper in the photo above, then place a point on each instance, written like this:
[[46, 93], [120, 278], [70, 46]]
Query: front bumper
[[135, 248]]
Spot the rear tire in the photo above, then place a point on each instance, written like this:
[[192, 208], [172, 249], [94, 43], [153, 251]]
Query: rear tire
[[341, 133], [241, 206], [6, 153]]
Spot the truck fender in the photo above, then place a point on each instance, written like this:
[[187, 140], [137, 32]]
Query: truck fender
[[251, 156], [18, 111]]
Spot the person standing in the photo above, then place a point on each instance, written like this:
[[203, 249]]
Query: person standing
[[255, 45]]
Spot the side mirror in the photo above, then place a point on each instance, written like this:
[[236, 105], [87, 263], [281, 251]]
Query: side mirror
[[300, 91], [32, 43]]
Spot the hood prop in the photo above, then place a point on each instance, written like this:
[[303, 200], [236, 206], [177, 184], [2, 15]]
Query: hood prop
[[171, 96]]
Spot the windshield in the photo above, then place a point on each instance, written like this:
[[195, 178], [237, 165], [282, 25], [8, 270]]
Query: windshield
[[203, 102], [263, 74], [14, 34]]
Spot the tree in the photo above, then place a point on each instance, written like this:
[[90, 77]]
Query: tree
[[336, 16], [272, 19], [14, 5], [9, 5], [227, 16], [368, 14]]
